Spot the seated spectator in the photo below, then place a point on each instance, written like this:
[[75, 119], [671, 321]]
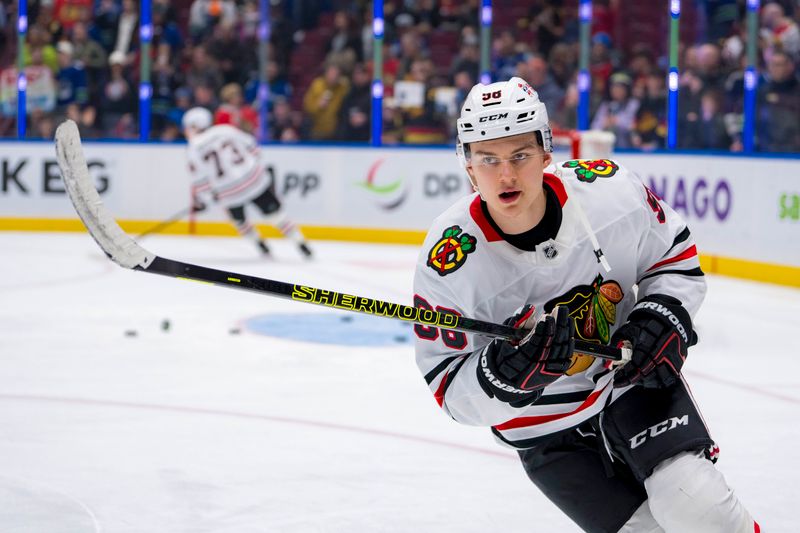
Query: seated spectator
[[547, 23], [204, 96], [40, 97], [127, 30], [354, 119], [90, 54], [165, 79], [689, 103], [423, 122], [618, 113], [182, 103], [285, 124], [203, 70], [278, 84], [707, 131], [600, 61], [505, 55], [41, 125], [709, 66], [468, 58], [39, 39], [411, 49], [778, 107], [345, 46], [205, 14], [567, 116], [85, 118], [233, 110], [562, 63], [650, 129], [166, 34], [48, 20], [230, 55], [103, 28], [250, 20], [780, 32], [540, 79], [323, 101], [119, 98], [70, 79]]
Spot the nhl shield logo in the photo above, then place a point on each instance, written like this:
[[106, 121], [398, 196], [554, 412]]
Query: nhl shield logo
[[550, 251], [451, 251]]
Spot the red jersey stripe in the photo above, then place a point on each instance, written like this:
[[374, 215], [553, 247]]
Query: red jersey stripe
[[242, 186], [527, 421], [686, 254], [439, 394], [558, 187], [476, 212]]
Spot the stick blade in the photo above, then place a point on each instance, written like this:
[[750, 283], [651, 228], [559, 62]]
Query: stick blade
[[117, 245]]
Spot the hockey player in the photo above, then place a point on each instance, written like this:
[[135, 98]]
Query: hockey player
[[225, 164], [580, 249]]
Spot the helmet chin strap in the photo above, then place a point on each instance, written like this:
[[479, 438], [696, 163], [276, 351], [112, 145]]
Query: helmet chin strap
[[474, 185]]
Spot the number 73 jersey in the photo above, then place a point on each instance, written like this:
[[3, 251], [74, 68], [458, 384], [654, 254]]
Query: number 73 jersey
[[465, 267], [224, 161]]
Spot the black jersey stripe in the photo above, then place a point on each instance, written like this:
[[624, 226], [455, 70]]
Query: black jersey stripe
[[679, 238], [430, 376], [523, 444], [451, 376], [567, 397], [697, 271]]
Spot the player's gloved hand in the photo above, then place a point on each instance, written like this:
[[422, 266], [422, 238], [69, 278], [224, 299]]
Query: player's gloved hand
[[659, 330], [516, 374], [198, 206]]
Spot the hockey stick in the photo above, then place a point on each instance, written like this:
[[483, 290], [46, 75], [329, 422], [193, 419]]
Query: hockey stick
[[166, 223], [124, 251]]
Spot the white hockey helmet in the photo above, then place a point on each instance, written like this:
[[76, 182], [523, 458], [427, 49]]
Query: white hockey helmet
[[197, 118], [500, 110]]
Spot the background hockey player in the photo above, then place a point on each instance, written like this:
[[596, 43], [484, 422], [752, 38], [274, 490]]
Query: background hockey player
[[582, 249], [226, 165]]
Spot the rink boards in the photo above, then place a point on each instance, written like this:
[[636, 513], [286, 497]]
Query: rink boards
[[744, 212]]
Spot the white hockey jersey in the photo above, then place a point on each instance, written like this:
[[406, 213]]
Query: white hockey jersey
[[224, 161], [467, 268]]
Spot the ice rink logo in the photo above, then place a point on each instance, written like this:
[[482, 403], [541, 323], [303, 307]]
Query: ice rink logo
[[389, 195]]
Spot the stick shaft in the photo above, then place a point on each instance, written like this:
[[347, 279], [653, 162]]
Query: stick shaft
[[350, 302], [127, 253], [166, 223]]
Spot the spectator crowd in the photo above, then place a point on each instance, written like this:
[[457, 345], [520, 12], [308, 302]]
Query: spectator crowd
[[82, 60]]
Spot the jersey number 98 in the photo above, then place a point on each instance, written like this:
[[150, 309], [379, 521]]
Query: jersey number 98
[[457, 340]]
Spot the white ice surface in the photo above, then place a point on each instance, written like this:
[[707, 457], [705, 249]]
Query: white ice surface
[[197, 430]]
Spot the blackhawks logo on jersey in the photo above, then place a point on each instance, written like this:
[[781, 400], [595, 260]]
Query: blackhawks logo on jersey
[[451, 251], [594, 309], [589, 170]]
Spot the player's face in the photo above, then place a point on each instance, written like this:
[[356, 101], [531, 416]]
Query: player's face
[[508, 173]]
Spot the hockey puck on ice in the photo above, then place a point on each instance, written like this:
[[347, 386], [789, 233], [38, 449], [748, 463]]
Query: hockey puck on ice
[[347, 318], [165, 324], [131, 333], [400, 338], [234, 331]]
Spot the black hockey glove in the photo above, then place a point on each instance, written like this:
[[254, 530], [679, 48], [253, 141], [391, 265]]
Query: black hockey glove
[[660, 332], [516, 374]]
